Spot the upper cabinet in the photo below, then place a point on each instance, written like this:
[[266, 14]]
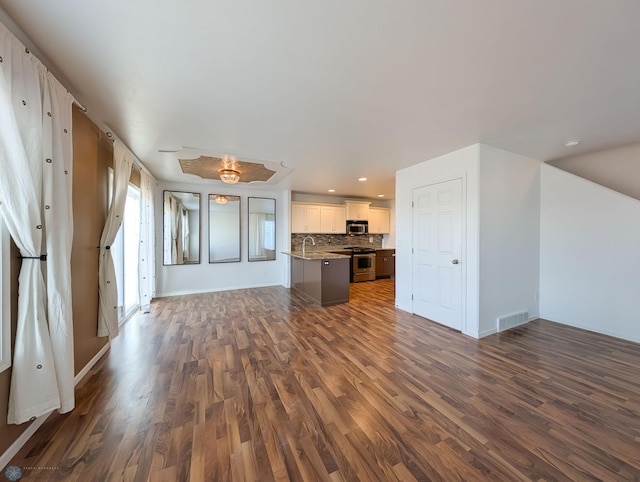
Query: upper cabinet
[[357, 210], [318, 218], [333, 219], [305, 218], [379, 220]]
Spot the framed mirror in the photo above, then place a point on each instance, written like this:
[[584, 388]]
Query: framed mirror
[[262, 229], [224, 228], [181, 227]]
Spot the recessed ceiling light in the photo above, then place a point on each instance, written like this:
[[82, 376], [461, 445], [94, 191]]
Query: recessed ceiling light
[[332, 190], [572, 142], [380, 195], [362, 179]]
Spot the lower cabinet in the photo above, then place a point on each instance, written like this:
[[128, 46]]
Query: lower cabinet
[[324, 280], [385, 263]]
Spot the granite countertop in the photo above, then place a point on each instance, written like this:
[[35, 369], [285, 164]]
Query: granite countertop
[[311, 254]]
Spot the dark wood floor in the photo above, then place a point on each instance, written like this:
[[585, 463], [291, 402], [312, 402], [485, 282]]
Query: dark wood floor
[[261, 385]]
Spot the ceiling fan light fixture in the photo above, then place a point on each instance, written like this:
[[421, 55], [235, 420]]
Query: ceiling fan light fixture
[[230, 176]]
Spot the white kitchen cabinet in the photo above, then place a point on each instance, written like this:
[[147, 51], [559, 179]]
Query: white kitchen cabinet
[[379, 220], [357, 210], [305, 218], [333, 219]]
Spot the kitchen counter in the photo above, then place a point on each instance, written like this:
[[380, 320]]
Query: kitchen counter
[[321, 275], [312, 254]]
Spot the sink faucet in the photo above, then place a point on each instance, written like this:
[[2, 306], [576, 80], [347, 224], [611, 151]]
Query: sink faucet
[[304, 242]]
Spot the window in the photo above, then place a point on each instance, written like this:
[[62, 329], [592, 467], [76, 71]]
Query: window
[[131, 226], [125, 255], [5, 302], [124, 251]]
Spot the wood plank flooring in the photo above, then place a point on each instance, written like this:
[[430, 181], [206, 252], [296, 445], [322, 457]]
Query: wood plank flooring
[[261, 385]]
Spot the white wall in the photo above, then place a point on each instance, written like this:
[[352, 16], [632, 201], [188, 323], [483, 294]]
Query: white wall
[[459, 164], [500, 252], [389, 240], [205, 277], [589, 255], [617, 168], [224, 233], [509, 236]]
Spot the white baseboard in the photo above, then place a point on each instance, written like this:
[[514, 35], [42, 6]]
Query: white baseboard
[[15, 447], [215, 290], [81, 374], [491, 331], [596, 329]]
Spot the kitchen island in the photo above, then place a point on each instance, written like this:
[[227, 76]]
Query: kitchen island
[[321, 275]]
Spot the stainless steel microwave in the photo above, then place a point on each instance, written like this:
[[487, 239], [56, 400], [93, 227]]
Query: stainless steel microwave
[[357, 227]]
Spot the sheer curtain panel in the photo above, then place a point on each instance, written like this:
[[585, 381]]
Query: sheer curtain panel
[[35, 203], [108, 306], [257, 221], [147, 257]]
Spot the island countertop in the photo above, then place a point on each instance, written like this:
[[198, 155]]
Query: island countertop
[[310, 255]]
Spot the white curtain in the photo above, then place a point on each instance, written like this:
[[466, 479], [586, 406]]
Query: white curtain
[[167, 240], [256, 242], [146, 253], [108, 309], [185, 236], [35, 203], [174, 230]]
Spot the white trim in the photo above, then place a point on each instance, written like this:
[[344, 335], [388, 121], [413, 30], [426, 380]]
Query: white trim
[[5, 297], [15, 447], [215, 290], [81, 374], [482, 334], [591, 328], [464, 321]]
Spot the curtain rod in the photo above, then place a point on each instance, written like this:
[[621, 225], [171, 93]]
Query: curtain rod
[[8, 23], [80, 106], [137, 162]]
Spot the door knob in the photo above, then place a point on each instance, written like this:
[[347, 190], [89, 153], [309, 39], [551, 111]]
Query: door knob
[[455, 261]]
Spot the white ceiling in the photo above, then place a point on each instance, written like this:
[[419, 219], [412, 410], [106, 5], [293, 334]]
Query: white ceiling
[[335, 89]]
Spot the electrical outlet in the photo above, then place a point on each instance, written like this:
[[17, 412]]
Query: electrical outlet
[[371, 239]]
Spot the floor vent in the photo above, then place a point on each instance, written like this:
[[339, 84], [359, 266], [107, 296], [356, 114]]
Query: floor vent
[[510, 321]]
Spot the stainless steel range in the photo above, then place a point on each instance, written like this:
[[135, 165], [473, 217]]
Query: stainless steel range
[[363, 264]]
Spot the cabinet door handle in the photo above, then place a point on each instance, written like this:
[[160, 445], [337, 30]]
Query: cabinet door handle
[[455, 261]]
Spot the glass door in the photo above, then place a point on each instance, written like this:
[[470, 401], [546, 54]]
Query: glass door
[[125, 253]]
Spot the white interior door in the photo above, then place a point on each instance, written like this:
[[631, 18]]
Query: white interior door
[[437, 249]]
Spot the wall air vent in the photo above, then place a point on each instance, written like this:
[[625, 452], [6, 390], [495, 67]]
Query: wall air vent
[[511, 321]]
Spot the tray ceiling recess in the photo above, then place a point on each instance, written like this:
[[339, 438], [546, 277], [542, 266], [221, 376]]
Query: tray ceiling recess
[[215, 168]]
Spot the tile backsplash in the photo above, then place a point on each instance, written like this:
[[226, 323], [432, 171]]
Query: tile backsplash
[[328, 240]]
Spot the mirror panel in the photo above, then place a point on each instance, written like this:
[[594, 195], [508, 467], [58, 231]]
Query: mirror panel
[[224, 228], [262, 229], [181, 227]]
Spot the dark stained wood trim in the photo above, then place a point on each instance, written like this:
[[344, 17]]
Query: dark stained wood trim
[[263, 384]]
